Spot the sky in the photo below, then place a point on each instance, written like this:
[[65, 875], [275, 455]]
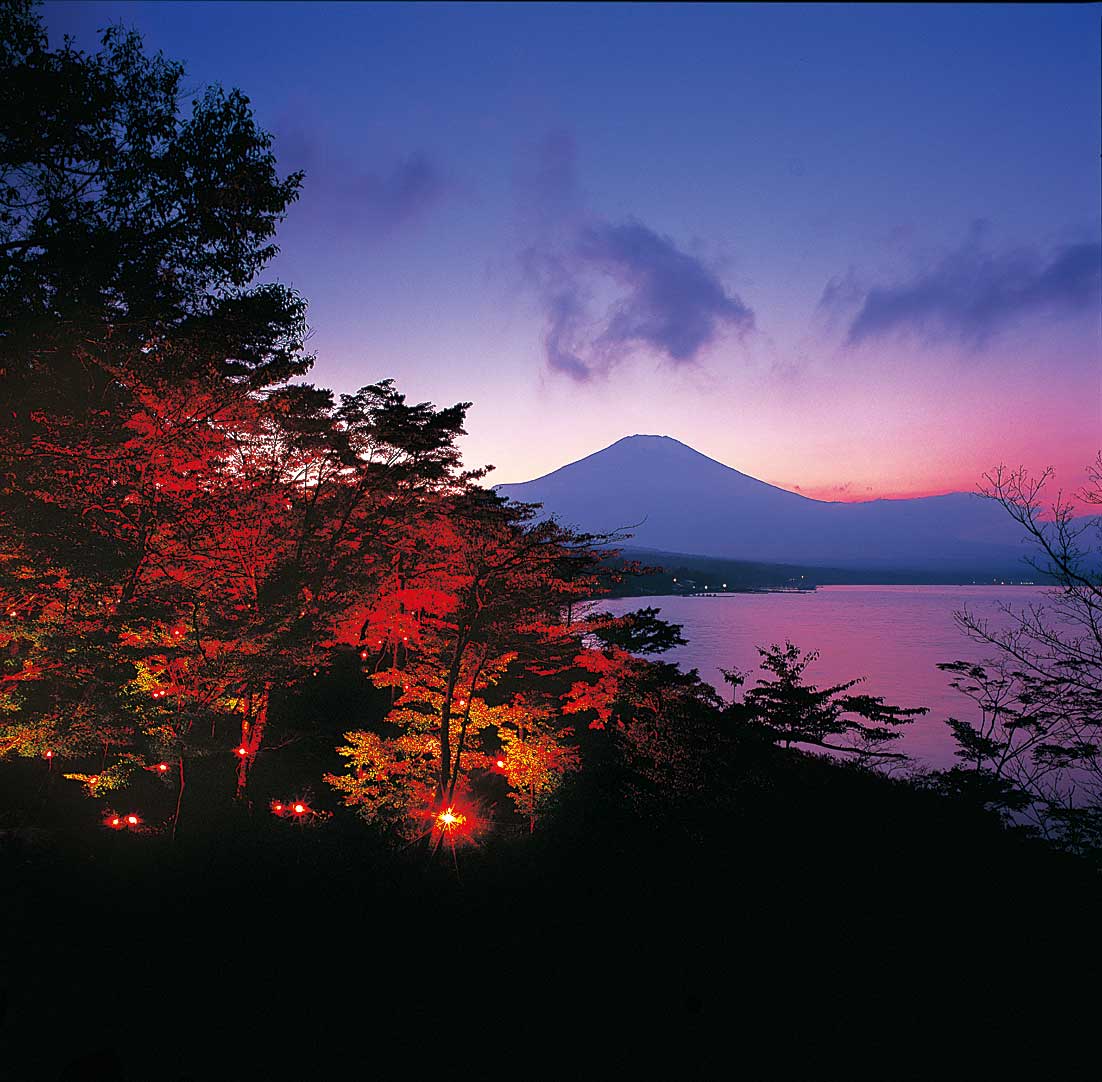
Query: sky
[[852, 250]]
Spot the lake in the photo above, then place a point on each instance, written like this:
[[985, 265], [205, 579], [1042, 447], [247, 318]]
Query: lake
[[894, 635]]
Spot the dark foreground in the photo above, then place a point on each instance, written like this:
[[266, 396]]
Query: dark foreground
[[811, 922]]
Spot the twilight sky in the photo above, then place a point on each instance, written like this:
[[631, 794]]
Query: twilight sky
[[853, 250]]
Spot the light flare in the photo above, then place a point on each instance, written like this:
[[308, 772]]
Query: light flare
[[450, 820]]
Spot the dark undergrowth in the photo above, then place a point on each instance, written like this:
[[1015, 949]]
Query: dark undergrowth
[[834, 922]]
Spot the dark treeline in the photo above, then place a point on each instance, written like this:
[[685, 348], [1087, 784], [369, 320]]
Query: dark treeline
[[664, 573], [315, 751]]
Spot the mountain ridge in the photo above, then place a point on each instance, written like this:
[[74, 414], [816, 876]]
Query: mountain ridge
[[715, 461], [673, 498]]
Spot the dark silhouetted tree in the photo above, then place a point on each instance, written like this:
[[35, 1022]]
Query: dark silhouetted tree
[[783, 708], [133, 349], [1033, 753]]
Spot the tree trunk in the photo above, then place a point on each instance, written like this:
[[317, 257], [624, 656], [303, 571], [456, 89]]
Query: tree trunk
[[446, 718], [252, 738], [179, 798], [463, 729]]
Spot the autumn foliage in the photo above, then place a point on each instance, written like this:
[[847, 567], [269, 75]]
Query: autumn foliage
[[190, 535]]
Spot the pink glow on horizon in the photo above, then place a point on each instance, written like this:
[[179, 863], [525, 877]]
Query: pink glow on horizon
[[843, 494], [887, 423]]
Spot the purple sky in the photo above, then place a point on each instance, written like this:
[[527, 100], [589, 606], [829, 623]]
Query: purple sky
[[853, 249]]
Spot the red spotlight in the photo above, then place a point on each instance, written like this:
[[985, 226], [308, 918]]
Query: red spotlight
[[49, 755], [299, 809], [242, 752], [115, 821], [162, 767], [501, 762], [450, 820], [133, 820]]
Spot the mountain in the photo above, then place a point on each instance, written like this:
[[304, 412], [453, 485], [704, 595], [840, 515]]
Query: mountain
[[671, 498]]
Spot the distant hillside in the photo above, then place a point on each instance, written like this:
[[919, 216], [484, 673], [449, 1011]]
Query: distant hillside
[[673, 499], [685, 573]]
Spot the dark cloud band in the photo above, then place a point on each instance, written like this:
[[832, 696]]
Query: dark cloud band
[[607, 289], [972, 294], [670, 303]]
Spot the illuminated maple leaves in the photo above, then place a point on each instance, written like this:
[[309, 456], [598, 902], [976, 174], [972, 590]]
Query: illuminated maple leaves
[[189, 531], [534, 763], [486, 638]]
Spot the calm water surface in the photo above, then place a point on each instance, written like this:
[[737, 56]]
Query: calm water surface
[[894, 635]]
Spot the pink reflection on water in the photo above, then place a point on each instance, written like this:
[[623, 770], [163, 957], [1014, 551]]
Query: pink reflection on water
[[894, 635]]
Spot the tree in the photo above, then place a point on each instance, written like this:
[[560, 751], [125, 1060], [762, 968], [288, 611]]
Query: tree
[[656, 737], [133, 350], [783, 708], [1035, 750], [185, 530], [304, 525], [481, 607]]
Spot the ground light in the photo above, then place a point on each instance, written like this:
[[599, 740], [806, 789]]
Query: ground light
[[450, 820], [298, 810], [122, 822]]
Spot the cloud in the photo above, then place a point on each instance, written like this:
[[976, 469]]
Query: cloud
[[397, 197], [610, 288], [674, 305], [547, 189], [972, 293], [841, 491], [340, 193], [842, 291]]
